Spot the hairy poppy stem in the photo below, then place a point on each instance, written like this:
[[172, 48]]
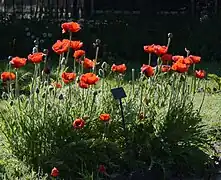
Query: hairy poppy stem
[[123, 122], [46, 97], [193, 84], [33, 85], [9, 86], [66, 60], [96, 58], [133, 80], [59, 66], [149, 62], [204, 95], [16, 84]]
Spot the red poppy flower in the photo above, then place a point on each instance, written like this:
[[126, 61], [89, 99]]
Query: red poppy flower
[[89, 78], [75, 45], [36, 57], [165, 68], [18, 62], [177, 57], [68, 77], [149, 48], [78, 54], [188, 61], [61, 46], [166, 57], [57, 85], [102, 169], [200, 74], [88, 64], [71, 27], [195, 59], [78, 123], [147, 70], [7, 76], [160, 50], [54, 172], [83, 85], [104, 117], [119, 68], [180, 67]]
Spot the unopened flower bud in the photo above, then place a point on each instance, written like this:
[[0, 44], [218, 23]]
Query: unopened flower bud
[[46, 70], [45, 51], [98, 41], [61, 97], [37, 91], [34, 50], [9, 58], [170, 35], [36, 42], [11, 103]]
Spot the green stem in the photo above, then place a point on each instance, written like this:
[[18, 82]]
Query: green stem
[[141, 97], [96, 58], [193, 83], [46, 97], [74, 65], [66, 60], [204, 95], [59, 66], [149, 59], [16, 84], [33, 86], [133, 80]]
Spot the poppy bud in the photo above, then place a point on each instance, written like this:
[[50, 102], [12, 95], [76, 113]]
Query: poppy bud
[[36, 42], [11, 103], [95, 93], [37, 91], [45, 51], [9, 58], [104, 65], [54, 172], [170, 35], [98, 41], [61, 97], [34, 50], [47, 70]]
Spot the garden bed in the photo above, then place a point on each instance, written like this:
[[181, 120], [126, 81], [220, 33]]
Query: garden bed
[[67, 121]]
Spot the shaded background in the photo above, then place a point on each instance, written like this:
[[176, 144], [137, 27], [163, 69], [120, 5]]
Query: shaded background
[[123, 26]]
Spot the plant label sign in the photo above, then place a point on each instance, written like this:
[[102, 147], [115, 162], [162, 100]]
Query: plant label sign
[[118, 93]]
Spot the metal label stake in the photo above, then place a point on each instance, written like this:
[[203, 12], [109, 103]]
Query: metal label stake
[[118, 94]]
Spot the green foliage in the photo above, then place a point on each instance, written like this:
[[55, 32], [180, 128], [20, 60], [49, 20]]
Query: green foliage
[[216, 79], [162, 127], [42, 134]]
